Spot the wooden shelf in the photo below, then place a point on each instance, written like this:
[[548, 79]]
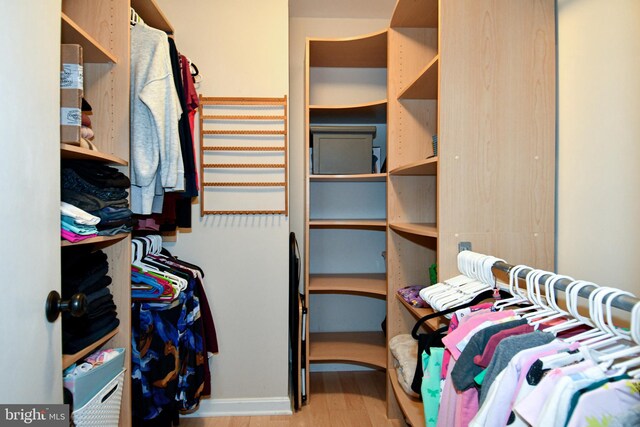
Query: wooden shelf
[[152, 15], [368, 112], [425, 86], [70, 359], [418, 313], [369, 51], [92, 51], [422, 168], [364, 177], [415, 13], [68, 151], [366, 348], [411, 407], [92, 240], [348, 223], [420, 229], [370, 284]]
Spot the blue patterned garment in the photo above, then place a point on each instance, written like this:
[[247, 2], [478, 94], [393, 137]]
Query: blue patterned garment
[[168, 358]]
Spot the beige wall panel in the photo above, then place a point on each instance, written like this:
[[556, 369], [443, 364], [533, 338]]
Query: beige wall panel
[[533, 249], [497, 117]]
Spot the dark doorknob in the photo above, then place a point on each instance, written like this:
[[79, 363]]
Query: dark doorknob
[[76, 305]]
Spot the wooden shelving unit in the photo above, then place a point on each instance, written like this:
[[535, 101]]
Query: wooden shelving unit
[[328, 219], [448, 77], [360, 284], [105, 42], [152, 15], [365, 113], [369, 177], [411, 407], [425, 86], [348, 223], [102, 29], [369, 51], [94, 240], [415, 14], [367, 348], [418, 313], [72, 152], [429, 230], [427, 167], [92, 50]]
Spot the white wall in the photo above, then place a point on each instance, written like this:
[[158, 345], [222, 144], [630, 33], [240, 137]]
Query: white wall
[[599, 142], [241, 49]]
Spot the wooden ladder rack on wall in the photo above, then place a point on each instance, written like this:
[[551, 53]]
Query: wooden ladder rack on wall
[[252, 125]]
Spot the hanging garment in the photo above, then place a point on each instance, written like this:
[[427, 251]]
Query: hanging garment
[[156, 158], [170, 341]]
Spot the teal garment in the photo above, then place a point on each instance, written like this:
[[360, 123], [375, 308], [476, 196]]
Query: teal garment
[[69, 224], [480, 377], [430, 389]]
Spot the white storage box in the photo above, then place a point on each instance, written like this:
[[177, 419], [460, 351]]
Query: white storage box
[[85, 386], [103, 410]]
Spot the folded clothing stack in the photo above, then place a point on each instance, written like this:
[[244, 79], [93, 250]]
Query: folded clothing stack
[[86, 131], [76, 224], [100, 191], [404, 350], [85, 272]]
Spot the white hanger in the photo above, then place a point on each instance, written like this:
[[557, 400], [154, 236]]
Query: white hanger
[[478, 268], [612, 333], [632, 350], [545, 310], [596, 299], [431, 293], [513, 288], [550, 293], [571, 292], [134, 18], [533, 292]]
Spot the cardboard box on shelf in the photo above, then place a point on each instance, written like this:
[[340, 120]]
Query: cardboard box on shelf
[[71, 92]]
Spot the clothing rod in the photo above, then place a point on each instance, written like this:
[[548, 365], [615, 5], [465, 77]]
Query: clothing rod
[[623, 302]]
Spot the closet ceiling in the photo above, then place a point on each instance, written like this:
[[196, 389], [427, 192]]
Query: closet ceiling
[[365, 9]]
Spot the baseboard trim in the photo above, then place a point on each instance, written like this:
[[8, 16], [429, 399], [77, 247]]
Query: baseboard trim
[[242, 407]]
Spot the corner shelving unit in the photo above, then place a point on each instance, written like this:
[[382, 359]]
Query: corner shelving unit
[[331, 212], [492, 106], [102, 29]]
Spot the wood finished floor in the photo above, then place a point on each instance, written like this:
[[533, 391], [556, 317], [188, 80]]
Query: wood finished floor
[[339, 399]]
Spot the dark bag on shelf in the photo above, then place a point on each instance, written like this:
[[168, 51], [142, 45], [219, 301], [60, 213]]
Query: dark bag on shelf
[[434, 338]]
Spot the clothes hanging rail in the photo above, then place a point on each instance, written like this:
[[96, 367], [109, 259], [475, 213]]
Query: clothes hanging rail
[[249, 125], [622, 302]]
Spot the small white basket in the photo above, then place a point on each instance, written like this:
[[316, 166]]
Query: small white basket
[[103, 410]]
